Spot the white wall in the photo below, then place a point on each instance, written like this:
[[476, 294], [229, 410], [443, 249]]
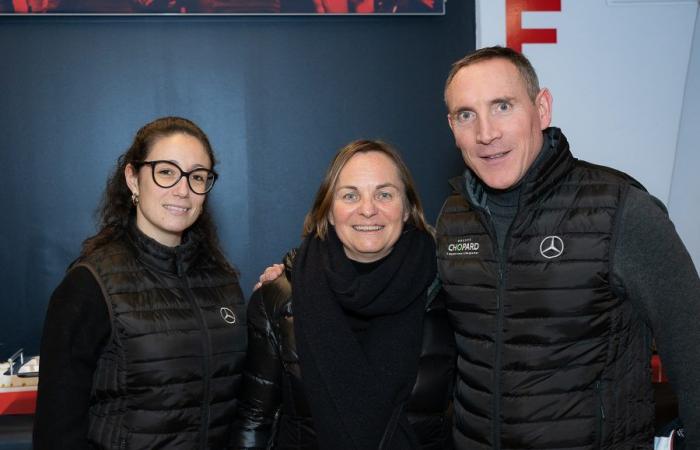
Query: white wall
[[684, 203], [618, 76]]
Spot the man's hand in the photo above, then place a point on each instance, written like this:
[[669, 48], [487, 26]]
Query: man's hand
[[270, 274]]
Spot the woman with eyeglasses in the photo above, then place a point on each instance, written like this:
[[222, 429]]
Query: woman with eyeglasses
[[145, 336], [350, 349]]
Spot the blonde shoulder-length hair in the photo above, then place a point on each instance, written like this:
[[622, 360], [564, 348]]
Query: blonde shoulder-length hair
[[317, 222]]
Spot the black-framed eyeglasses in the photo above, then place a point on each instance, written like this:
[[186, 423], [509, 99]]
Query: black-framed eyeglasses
[[167, 174]]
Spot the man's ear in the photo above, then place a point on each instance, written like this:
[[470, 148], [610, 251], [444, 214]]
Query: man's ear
[[449, 122], [543, 103]]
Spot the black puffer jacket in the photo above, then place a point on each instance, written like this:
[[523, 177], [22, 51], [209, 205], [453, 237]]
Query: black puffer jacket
[[168, 376], [273, 411], [550, 356]]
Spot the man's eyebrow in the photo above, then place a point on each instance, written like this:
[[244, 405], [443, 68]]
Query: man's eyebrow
[[495, 101], [459, 110], [498, 100]]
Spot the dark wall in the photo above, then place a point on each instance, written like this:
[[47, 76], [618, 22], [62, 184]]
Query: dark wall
[[277, 96]]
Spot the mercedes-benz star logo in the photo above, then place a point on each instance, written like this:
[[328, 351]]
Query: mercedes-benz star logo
[[551, 247], [227, 315]]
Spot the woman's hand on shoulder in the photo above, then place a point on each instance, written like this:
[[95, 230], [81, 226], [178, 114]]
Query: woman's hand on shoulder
[[269, 274]]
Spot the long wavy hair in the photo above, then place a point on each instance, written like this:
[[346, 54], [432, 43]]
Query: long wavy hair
[[116, 210], [316, 222]]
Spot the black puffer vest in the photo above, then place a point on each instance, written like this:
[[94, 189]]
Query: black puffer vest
[[169, 374], [274, 410], [549, 356]]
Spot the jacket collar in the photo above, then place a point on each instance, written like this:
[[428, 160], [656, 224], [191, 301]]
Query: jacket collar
[[174, 260], [539, 179]]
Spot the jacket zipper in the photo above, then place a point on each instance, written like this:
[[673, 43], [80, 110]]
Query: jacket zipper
[[206, 369], [600, 412], [487, 220], [499, 346], [498, 338]]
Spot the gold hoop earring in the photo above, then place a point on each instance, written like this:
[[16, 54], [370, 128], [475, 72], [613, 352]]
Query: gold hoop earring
[[135, 198]]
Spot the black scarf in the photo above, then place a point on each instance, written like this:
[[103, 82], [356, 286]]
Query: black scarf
[[357, 388]]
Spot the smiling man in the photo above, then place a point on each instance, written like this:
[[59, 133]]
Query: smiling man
[[558, 274]]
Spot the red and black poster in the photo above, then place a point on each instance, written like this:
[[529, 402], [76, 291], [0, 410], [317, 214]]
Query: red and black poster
[[118, 7]]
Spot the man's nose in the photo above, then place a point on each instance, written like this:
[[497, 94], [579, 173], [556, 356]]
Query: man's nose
[[487, 130]]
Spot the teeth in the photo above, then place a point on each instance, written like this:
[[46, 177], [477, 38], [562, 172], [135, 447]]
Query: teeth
[[367, 227], [497, 155], [177, 208]]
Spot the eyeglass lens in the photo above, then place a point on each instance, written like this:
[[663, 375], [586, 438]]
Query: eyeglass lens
[[167, 175]]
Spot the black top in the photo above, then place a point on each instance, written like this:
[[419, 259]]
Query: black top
[[503, 203], [652, 268], [77, 319]]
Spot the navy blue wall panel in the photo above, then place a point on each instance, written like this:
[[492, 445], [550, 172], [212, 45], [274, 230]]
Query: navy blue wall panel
[[277, 96]]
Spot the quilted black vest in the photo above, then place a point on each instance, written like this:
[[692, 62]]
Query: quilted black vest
[[549, 356], [169, 374]]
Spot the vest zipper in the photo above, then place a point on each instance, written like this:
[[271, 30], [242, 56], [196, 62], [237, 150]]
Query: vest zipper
[[600, 413], [499, 351], [498, 336], [206, 369]]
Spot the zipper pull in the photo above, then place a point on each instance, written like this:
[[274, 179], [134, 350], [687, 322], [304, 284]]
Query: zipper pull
[[600, 398]]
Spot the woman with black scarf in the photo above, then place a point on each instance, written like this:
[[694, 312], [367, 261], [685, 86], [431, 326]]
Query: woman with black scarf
[[351, 349]]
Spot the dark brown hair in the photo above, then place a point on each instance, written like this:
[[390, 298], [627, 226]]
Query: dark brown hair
[[116, 210], [316, 221]]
